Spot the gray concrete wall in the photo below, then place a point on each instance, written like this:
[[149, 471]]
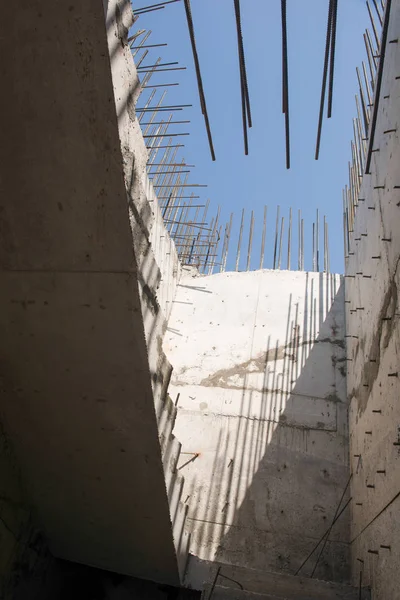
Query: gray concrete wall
[[372, 316], [158, 266], [259, 378], [156, 256], [76, 377], [20, 545]]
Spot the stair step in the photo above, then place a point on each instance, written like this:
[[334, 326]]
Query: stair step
[[226, 593], [175, 494], [181, 537], [282, 585], [170, 460], [166, 423]]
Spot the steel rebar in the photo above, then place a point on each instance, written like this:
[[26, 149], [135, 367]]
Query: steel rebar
[[285, 81], [203, 104], [324, 78]]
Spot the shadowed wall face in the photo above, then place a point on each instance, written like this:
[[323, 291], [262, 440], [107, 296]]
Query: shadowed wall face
[[373, 344], [259, 366], [76, 393]]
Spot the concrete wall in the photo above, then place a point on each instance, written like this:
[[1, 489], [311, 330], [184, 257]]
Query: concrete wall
[[372, 288], [76, 377], [21, 546], [158, 267], [259, 378], [156, 256]]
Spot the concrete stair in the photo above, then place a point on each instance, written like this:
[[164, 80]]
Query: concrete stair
[[239, 583], [170, 450]]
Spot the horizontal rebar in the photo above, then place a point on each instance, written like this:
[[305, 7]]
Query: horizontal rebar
[[191, 206], [157, 135], [145, 87], [171, 146], [164, 123], [172, 107], [161, 70], [142, 12], [158, 65], [156, 5], [146, 46], [180, 185], [169, 173]]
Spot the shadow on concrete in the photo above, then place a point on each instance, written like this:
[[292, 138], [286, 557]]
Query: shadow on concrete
[[277, 480]]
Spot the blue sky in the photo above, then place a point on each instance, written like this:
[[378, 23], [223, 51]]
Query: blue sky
[[236, 181]]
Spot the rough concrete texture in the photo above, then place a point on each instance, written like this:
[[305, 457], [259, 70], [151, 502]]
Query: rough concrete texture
[[372, 290], [227, 593], [76, 376], [45, 578], [158, 266], [259, 376], [21, 546], [203, 575]]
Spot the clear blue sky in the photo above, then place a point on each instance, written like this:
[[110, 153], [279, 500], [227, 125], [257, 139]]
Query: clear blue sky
[[234, 180]]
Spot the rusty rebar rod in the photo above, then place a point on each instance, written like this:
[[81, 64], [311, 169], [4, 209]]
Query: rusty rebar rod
[[378, 85], [324, 78], [244, 90], [153, 6], [285, 81], [332, 56], [203, 104]]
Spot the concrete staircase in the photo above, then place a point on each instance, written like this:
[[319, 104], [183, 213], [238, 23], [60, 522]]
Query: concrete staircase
[[228, 582], [171, 449]]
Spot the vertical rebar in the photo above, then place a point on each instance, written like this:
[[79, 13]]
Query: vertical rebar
[[363, 103], [250, 241], [373, 51], [289, 239], [246, 112], [313, 246], [328, 264], [263, 238], [324, 78], [149, 74], [221, 266], [276, 236], [378, 12], [202, 97], [378, 41], [367, 84], [153, 114], [344, 229], [140, 44], [280, 242], [299, 241], [141, 59], [216, 247], [216, 236], [371, 62], [209, 243], [332, 56], [302, 244], [317, 241], [147, 104], [285, 81], [239, 242], [227, 241], [379, 78]]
